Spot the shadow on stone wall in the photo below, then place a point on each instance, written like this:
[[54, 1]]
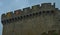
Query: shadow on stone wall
[[51, 32]]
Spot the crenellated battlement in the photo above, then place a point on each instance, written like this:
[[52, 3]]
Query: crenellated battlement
[[27, 12]]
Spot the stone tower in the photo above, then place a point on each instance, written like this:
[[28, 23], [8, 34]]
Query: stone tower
[[31, 21]]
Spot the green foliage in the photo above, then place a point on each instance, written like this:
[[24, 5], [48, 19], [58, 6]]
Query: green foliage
[[44, 33], [55, 33]]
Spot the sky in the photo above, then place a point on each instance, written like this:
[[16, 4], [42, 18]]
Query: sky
[[11, 5]]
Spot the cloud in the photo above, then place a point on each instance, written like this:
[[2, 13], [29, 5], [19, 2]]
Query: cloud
[[14, 5], [0, 26], [1, 4]]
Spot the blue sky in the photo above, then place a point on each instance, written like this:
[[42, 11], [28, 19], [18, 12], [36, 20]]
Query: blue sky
[[11, 5]]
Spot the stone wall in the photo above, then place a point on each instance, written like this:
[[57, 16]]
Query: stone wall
[[34, 26], [33, 21]]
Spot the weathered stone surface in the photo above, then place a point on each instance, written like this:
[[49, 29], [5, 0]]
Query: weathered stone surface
[[33, 23]]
